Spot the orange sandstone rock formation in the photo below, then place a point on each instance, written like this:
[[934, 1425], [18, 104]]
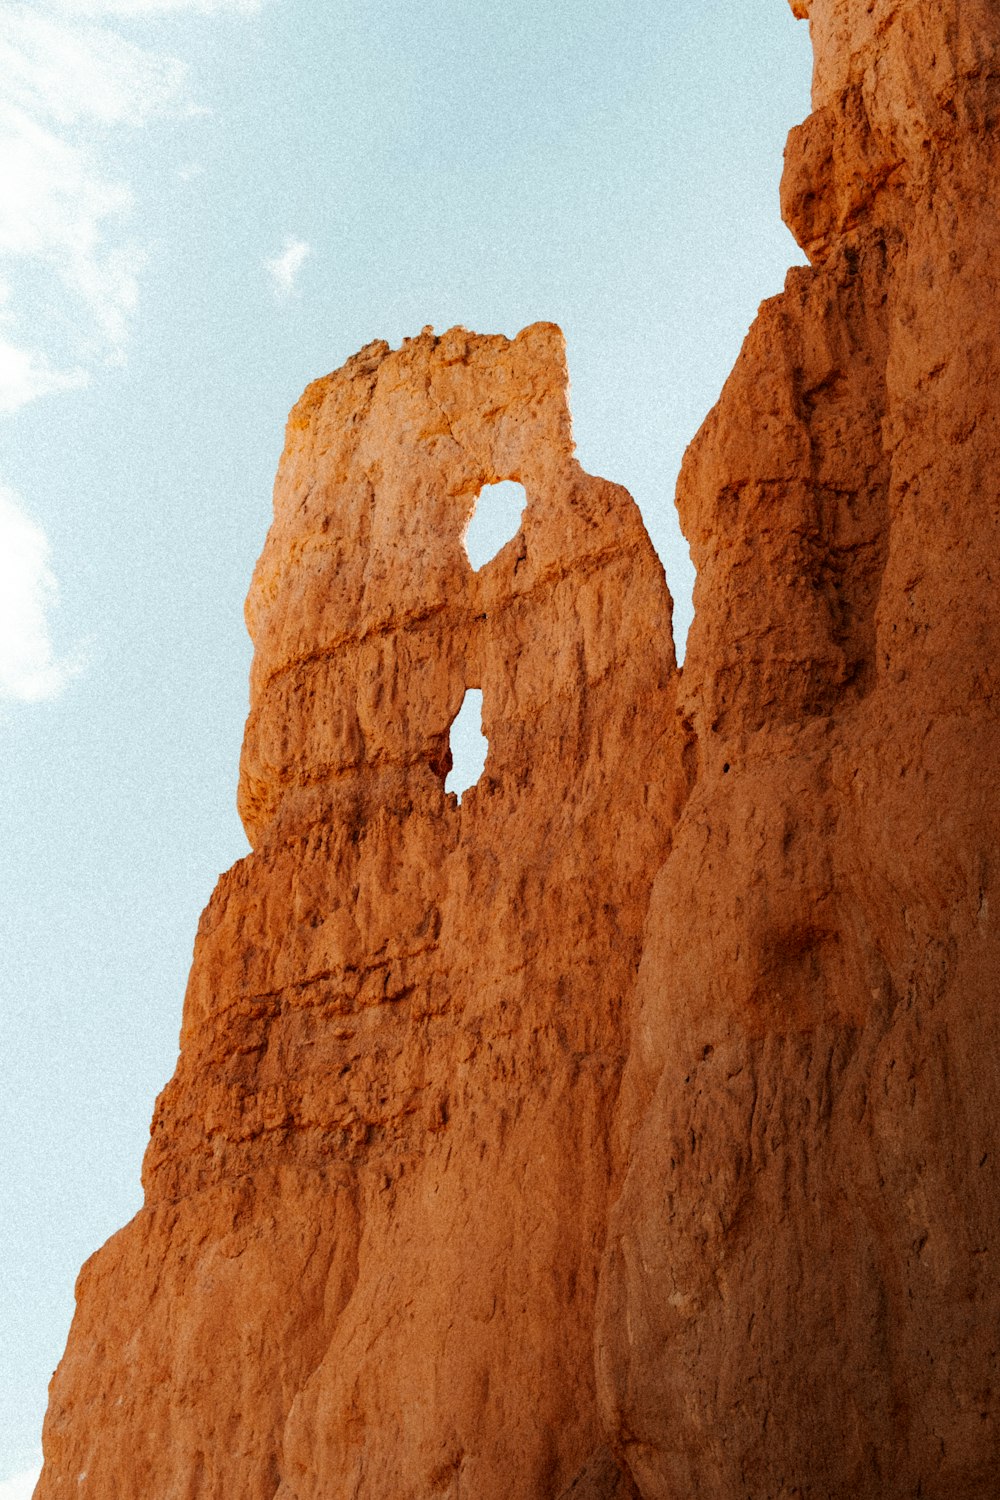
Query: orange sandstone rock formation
[[400, 1150], [801, 1291], [378, 1184]]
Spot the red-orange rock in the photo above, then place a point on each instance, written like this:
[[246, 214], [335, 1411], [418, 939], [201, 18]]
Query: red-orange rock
[[377, 1186], [400, 1136], [801, 1292]]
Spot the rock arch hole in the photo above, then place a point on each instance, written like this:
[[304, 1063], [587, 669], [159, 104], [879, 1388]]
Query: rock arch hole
[[495, 519], [468, 745]]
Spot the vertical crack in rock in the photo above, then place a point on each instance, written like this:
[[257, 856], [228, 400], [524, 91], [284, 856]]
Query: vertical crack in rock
[[377, 1185]]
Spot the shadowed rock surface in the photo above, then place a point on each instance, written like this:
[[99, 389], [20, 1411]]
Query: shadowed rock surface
[[801, 1293], [448, 1116]]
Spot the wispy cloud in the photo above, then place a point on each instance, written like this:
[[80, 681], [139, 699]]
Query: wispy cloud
[[70, 268], [285, 267], [70, 262], [26, 374], [29, 668], [20, 1486], [157, 7]]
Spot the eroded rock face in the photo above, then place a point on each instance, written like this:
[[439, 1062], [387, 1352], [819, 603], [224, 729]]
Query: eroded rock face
[[400, 1135], [801, 1293], [377, 1186]]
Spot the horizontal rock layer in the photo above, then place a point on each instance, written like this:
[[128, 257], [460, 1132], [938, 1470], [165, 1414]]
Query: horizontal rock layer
[[377, 1185], [676, 1040]]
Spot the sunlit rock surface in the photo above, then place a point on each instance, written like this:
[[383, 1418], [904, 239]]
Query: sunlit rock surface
[[674, 1044], [378, 1184]]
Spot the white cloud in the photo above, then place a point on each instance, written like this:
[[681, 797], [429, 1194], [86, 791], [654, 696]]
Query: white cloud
[[71, 73], [284, 268], [71, 272], [29, 669], [20, 1486], [71, 82], [157, 7], [25, 374], [69, 266]]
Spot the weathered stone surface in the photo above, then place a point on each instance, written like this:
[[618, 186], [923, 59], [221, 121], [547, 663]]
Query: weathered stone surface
[[801, 1292], [400, 1134], [377, 1186]]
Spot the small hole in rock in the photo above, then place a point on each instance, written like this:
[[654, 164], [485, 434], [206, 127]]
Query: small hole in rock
[[725, 769], [468, 745], [494, 521]]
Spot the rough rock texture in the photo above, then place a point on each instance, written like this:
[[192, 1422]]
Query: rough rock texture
[[400, 1135], [801, 1292], [377, 1186]]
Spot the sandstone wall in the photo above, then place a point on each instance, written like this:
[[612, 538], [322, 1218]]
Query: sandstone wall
[[676, 1041], [377, 1186], [801, 1291]]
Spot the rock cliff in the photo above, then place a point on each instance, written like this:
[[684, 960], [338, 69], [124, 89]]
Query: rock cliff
[[676, 1040], [801, 1293], [377, 1186]]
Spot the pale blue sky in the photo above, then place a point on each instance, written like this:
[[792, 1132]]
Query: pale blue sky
[[204, 205]]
